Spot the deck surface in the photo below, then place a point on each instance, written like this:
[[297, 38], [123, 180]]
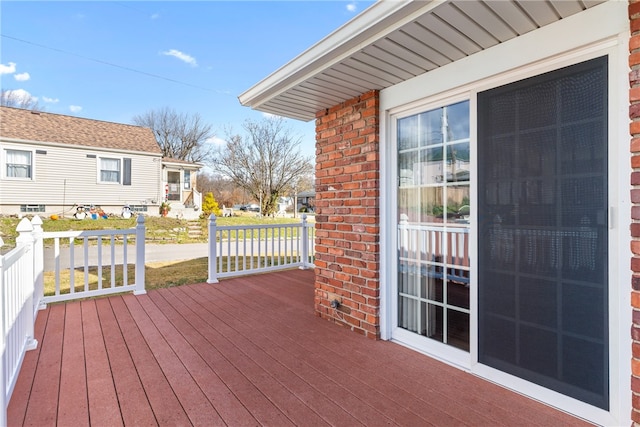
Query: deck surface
[[245, 352]]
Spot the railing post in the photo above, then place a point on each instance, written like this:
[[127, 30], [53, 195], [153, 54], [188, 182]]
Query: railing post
[[38, 265], [140, 258], [305, 243], [25, 237], [213, 275]]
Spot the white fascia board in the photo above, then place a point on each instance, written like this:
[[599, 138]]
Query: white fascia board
[[374, 23]]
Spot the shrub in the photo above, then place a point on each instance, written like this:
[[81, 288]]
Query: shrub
[[210, 206]]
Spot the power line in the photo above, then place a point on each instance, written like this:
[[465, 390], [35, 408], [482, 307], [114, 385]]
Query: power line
[[133, 70]]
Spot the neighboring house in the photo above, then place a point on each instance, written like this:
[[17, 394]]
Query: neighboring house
[[179, 177], [50, 163], [306, 200], [476, 182]]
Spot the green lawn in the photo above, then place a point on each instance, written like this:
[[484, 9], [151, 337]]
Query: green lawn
[[158, 229]]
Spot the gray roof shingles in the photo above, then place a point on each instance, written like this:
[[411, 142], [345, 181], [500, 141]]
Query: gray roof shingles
[[26, 125]]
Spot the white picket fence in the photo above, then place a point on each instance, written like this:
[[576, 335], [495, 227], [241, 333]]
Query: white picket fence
[[234, 250], [237, 250]]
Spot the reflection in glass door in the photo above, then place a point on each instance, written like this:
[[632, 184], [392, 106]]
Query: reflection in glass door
[[433, 224]]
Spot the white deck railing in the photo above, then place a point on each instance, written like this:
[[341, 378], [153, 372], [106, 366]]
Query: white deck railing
[[18, 304], [236, 250], [99, 248]]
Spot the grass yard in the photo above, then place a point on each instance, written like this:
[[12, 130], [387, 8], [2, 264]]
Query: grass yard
[[157, 274], [159, 229]]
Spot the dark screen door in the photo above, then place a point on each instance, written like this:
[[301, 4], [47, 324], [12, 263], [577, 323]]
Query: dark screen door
[[542, 211]]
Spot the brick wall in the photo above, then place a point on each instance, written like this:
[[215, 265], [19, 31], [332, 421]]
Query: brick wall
[[347, 262], [634, 129]]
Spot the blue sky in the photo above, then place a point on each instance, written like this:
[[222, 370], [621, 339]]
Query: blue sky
[[109, 60]]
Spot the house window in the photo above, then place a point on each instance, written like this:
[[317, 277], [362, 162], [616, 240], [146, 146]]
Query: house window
[[32, 208], [19, 164], [110, 170], [138, 208], [187, 180]]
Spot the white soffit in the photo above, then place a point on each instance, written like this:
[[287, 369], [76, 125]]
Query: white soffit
[[393, 41]]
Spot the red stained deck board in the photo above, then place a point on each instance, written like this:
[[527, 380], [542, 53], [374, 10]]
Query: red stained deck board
[[222, 355], [162, 400], [73, 408], [46, 382], [198, 408], [246, 351], [196, 359], [104, 408], [289, 385], [131, 396]]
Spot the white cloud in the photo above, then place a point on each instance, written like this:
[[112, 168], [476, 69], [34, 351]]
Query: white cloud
[[352, 7], [22, 77], [21, 96], [216, 141], [50, 100], [181, 56], [8, 69], [155, 16], [75, 108]]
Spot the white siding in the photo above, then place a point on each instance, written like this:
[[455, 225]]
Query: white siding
[[67, 176]]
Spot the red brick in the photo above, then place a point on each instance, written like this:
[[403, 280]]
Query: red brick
[[635, 26], [635, 302]]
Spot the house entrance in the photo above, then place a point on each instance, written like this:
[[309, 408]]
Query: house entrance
[[173, 180]]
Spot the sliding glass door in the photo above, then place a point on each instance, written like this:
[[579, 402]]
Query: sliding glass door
[[433, 224], [543, 232]]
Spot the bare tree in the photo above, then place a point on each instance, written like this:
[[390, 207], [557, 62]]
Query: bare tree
[[180, 136], [266, 162], [19, 99], [225, 191]]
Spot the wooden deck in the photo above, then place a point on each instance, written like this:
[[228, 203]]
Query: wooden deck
[[247, 351]]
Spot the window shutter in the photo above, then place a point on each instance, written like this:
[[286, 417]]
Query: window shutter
[[126, 174]]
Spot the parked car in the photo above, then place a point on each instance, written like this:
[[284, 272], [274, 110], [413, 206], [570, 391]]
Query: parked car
[[250, 208]]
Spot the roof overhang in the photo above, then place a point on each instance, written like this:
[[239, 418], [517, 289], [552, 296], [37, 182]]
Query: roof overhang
[[180, 164], [393, 41]]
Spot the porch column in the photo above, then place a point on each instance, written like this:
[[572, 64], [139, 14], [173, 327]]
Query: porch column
[[347, 286]]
